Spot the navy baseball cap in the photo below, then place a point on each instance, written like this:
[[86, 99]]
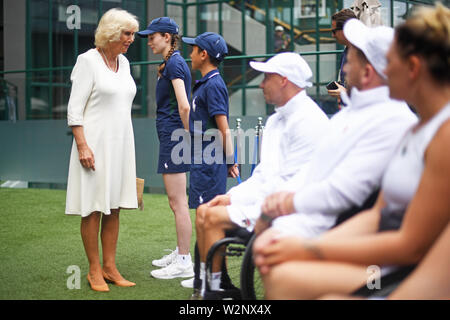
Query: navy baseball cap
[[212, 42], [163, 24]]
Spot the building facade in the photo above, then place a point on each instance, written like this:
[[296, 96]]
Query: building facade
[[41, 39]]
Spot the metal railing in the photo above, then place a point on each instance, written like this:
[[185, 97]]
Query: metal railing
[[239, 83]]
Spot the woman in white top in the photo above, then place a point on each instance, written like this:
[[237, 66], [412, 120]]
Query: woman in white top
[[413, 207], [102, 171]]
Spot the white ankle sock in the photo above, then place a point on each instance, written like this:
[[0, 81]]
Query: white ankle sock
[[215, 281], [202, 276], [184, 259]]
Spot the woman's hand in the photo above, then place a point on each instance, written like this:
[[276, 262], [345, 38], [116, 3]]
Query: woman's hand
[[273, 249], [85, 154], [86, 157]]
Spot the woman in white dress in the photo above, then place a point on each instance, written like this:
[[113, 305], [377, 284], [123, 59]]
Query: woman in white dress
[[102, 170]]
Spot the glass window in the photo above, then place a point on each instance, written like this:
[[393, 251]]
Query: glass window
[[55, 39], [249, 27], [60, 30]]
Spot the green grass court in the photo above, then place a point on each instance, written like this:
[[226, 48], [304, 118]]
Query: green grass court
[[39, 242]]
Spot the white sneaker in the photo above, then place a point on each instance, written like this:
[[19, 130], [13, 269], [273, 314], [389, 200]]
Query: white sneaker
[[189, 283], [165, 260], [174, 270]]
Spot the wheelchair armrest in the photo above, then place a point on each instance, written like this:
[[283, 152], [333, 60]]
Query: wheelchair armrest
[[239, 232]]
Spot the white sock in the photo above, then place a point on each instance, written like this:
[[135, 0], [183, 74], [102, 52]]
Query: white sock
[[184, 259], [203, 275], [176, 250], [215, 281]]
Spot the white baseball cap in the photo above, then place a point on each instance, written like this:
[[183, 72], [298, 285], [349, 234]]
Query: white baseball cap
[[279, 28], [287, 64], [373, 42]]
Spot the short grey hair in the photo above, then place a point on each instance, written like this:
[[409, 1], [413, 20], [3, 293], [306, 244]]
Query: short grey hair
[[112, 24]]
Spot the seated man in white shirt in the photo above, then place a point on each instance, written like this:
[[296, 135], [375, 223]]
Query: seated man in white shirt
[[348, 165], [291, 135]]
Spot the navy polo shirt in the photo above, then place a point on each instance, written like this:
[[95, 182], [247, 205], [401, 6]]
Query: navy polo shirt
[[167, 115], [210, 98]]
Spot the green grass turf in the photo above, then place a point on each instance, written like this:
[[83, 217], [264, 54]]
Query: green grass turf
[[39, 242]]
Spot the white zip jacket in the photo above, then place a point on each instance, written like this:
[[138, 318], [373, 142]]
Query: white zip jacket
[[291, 135]]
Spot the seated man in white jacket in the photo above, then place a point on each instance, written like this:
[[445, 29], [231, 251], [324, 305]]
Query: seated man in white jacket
[[348, 165], [291, 135]]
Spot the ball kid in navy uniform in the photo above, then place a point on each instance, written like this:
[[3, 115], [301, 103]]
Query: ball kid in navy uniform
[[172, 113], [209, 110]]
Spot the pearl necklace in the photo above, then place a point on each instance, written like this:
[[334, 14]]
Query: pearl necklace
[[107, 63]]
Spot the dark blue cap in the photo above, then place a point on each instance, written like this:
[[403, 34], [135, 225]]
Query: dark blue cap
[[163, 24], [212, 42]]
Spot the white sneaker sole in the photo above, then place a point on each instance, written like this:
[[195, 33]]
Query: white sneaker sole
[[159, 265], [166, 276], [189, 283]]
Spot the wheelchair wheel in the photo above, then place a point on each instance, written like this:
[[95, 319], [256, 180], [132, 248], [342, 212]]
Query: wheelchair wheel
[[233, 263], [231, 269], [251, 282]]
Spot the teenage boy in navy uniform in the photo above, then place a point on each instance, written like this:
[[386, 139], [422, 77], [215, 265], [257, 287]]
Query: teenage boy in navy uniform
[[209, 110]]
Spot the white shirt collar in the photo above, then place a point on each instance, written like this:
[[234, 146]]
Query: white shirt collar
[[361, 99], [292, 105]]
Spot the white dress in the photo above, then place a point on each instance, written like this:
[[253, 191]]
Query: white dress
[[100, 101]]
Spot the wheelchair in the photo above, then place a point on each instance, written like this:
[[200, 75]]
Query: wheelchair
[[238, 268], [239, 280]]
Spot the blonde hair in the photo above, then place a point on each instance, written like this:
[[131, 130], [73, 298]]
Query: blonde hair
[[427, 34], [112, 24]]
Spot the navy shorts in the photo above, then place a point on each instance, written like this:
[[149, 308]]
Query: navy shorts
[[206, 182], [165, 161]]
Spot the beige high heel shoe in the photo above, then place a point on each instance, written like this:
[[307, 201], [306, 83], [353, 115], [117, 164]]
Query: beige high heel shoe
[[96, 287], [119, 283]]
